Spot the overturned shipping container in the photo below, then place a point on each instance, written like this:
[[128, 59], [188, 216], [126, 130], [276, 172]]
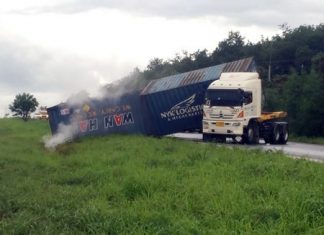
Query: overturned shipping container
[[166, 105], [100, 116]]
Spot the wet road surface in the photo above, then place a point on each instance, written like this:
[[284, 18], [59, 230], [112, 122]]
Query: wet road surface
[[300, 150]]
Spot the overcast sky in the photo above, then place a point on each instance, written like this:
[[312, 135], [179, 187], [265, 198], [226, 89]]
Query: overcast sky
[[55, 48]]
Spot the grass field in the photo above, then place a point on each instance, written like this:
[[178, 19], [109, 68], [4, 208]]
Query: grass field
[[141, 185]]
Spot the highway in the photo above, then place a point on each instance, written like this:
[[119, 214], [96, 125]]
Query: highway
[[298, 150]]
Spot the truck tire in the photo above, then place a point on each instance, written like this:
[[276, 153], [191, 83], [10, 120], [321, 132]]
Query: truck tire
[[284, 134], [252, 133], [275, 136]]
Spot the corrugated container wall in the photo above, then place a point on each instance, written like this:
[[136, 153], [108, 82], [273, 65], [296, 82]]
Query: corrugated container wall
[[175, 103]]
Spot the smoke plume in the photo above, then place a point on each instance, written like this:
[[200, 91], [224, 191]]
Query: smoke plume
[[65, 133], [79, 103]]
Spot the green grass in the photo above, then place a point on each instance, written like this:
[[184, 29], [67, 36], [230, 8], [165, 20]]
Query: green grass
[[140, 185]]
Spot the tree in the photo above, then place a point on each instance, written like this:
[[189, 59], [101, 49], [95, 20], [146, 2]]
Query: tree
[[293, 97], [232, 48], [23, 105], [312, 106], [303, 99], [202, 59]]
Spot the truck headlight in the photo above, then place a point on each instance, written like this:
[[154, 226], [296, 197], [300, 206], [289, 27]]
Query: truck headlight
[[236, 124]]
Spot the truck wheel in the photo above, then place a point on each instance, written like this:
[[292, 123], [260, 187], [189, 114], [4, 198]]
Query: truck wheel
[[283, 135], [252, 133], [275, 138]]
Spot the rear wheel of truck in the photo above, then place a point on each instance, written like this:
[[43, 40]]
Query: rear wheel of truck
[[252, 133], [275, 137], [284, 134]]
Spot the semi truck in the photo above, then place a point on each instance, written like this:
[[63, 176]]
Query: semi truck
[[232, 109]]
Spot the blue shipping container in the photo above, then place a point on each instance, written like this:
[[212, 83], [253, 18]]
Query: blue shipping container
[[175, 110], [97, 117], [59, 114]]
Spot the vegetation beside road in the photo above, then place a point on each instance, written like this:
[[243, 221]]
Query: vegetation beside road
[[141, 185], [308, 140]]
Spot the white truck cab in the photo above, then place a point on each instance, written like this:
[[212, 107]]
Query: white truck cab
[[232, 108]]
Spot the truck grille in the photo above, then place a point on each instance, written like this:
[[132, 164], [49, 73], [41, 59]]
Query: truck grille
[[223, 116]]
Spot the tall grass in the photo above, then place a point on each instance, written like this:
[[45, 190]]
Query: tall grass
[[122, 184]]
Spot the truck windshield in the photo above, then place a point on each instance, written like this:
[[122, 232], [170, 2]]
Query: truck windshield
[[224, 97]]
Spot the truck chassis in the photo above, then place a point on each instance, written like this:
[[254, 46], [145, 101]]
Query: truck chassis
[[266, 127]]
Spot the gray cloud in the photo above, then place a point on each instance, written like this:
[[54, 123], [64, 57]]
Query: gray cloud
[[256, 12], [50, 76], [16, 62], [29, 68]]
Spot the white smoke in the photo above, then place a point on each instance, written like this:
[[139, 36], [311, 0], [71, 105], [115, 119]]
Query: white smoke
[[64, 134], [118, 88], [78, 99], [67, 133]]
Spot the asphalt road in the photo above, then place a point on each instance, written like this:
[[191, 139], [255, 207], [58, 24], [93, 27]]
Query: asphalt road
[[300, 150]]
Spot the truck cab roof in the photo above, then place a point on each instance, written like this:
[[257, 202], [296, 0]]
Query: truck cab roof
[[236, 80]]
